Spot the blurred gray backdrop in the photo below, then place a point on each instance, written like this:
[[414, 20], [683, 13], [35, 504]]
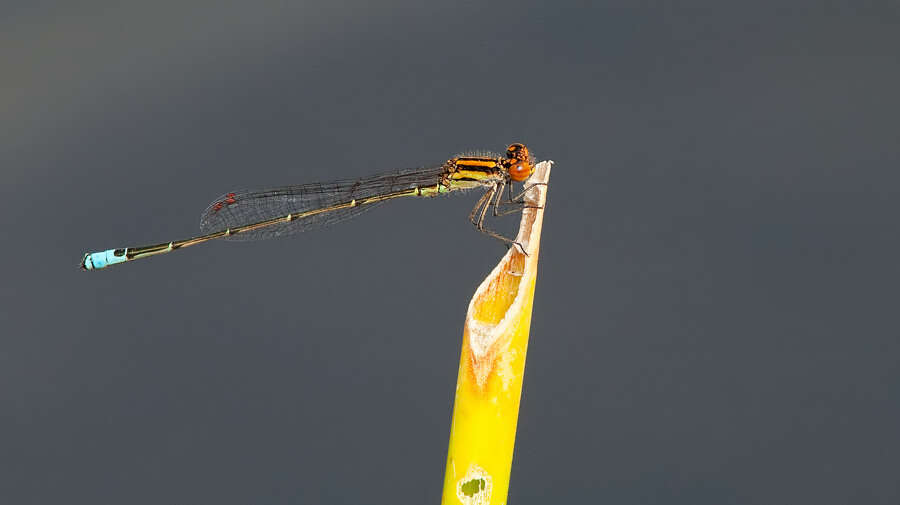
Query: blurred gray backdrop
[[716, 313]]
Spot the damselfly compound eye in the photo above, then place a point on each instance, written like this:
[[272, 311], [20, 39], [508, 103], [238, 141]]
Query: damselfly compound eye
[[519, 162]]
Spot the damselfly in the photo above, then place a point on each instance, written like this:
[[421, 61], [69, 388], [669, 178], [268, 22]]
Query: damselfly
[[256, 215]]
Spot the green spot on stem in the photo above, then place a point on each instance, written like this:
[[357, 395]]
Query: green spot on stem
[[472, 487]]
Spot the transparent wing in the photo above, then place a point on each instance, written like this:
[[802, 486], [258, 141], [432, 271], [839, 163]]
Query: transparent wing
[[239, 208]]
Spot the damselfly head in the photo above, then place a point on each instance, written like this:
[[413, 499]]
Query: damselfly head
[[519, 163]]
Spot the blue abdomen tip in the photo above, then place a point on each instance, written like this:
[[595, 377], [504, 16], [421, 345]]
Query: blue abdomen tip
[[97, 260]]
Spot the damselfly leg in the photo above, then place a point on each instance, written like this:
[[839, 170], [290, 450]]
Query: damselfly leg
[[492, 198]]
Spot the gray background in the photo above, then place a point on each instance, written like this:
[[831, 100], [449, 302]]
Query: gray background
[[715, 319]]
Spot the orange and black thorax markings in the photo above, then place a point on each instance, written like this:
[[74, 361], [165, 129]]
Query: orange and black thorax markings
[[474, 169]]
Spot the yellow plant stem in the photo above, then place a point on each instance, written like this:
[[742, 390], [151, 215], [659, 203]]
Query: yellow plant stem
[[492, 364]]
